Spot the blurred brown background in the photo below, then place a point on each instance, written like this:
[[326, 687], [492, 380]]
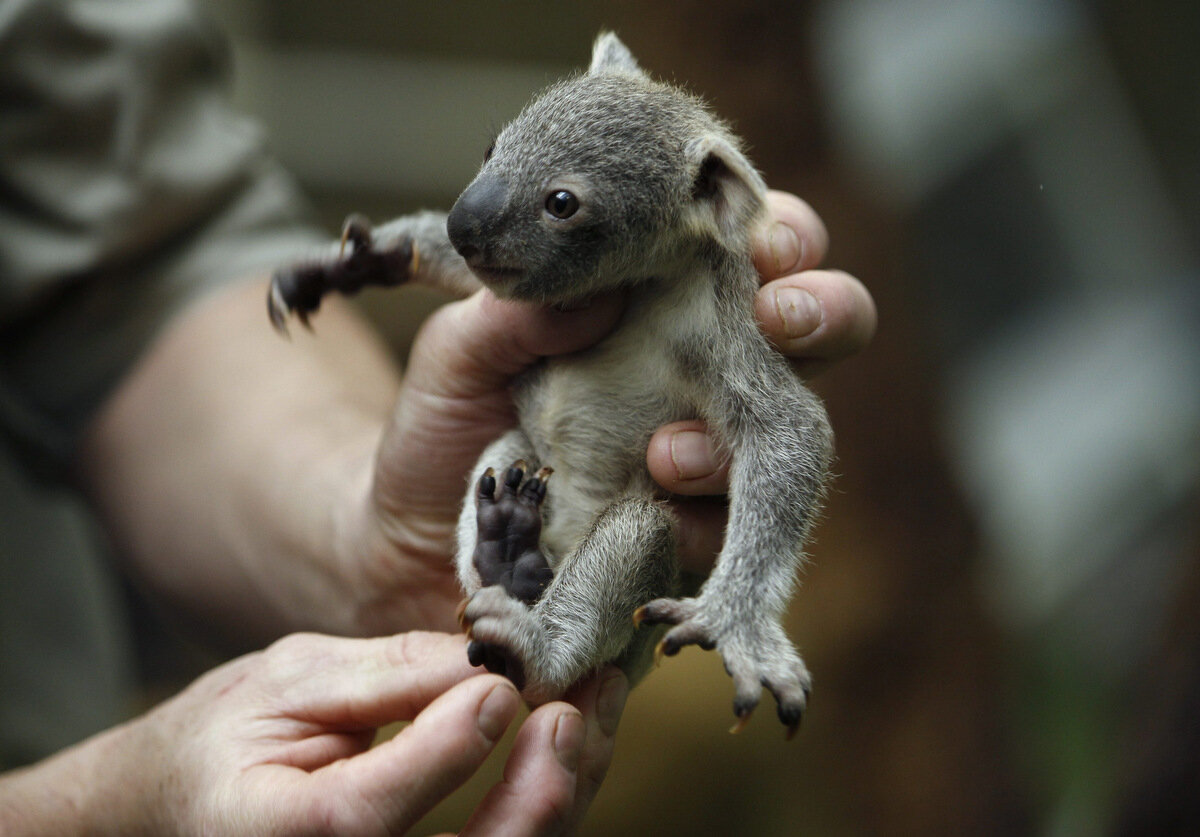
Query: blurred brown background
[[998, 615]]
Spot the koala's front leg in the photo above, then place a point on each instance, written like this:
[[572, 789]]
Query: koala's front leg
[[781, 450], [414, 248], [583, 619]]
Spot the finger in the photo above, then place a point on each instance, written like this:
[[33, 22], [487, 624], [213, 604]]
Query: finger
[[682, 458], [400, 780], [821, 315], [700, 531], [794, 239], [601, 700], [358, 684], [475, 346], [536, 795]]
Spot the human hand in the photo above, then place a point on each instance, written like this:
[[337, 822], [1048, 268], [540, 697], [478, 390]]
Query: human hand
[[279, 742]]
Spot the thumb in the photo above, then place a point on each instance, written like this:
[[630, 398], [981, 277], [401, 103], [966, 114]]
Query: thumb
[[402, 779], [475, 346]]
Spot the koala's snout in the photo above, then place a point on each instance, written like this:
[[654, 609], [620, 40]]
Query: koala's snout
[[475, 218]]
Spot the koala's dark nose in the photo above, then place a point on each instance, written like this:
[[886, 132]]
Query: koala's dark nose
[[475, 215]]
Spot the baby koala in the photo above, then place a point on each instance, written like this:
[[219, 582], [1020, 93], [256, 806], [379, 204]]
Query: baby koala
[[611, 180]]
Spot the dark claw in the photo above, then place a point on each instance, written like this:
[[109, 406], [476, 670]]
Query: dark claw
[[743, 709], [514, 475], [648, 614], [790, 716], [534, 489], [487, 485], [476, 652], [356, 229]]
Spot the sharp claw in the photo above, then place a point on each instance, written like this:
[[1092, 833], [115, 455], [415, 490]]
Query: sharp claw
[[460, 614], [277, 310], [544, 473], [791, 732], [639, 616], [741, 723], [475, 654], [350, 226], [487, 484], [658, 654]]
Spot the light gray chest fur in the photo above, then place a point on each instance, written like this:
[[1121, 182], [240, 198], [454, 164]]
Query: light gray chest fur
[[591, 415]]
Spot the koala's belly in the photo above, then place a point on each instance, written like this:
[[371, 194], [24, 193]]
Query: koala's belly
[[590, 417]]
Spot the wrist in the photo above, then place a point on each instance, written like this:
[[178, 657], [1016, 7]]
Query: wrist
[[92, 787]]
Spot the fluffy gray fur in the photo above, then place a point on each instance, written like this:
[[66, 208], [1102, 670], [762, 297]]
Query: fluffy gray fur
[[666, 205]]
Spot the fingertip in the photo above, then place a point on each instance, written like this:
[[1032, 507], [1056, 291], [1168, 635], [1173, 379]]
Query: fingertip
[[818, 314], [683, 459], [569, 733], [610, 700], [537, 793], [794, 238], [404, 777], [497, 710]]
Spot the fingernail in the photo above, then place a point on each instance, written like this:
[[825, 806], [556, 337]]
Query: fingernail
[[786, 248], [568, 739], [799, 310], [691, 454], [497, 711], [610, 702]]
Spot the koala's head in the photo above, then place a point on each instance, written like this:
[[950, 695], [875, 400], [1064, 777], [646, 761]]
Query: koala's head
[[605, 179]]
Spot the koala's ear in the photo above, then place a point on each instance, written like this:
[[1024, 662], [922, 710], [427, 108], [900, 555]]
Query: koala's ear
[[725, 187], [610, 55]]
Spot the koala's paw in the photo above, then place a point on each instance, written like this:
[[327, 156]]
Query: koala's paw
[[510, 525], [298, 288], [757, 654], [507, 639]]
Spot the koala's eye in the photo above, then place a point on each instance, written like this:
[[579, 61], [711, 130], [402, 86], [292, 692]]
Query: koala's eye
[[487, 155], [562, 204]]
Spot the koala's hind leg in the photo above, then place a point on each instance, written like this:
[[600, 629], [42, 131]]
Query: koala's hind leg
[[584, 618], [507, 549], [508, 450]]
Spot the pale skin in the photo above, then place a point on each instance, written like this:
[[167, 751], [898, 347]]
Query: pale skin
[[264, 486]]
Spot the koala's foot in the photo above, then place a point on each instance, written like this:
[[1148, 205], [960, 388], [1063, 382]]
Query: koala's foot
[[510, 525], [508, 639], [298, 288], [757, 654]]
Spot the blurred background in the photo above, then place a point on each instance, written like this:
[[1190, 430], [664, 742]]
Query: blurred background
[[1001, 613]]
